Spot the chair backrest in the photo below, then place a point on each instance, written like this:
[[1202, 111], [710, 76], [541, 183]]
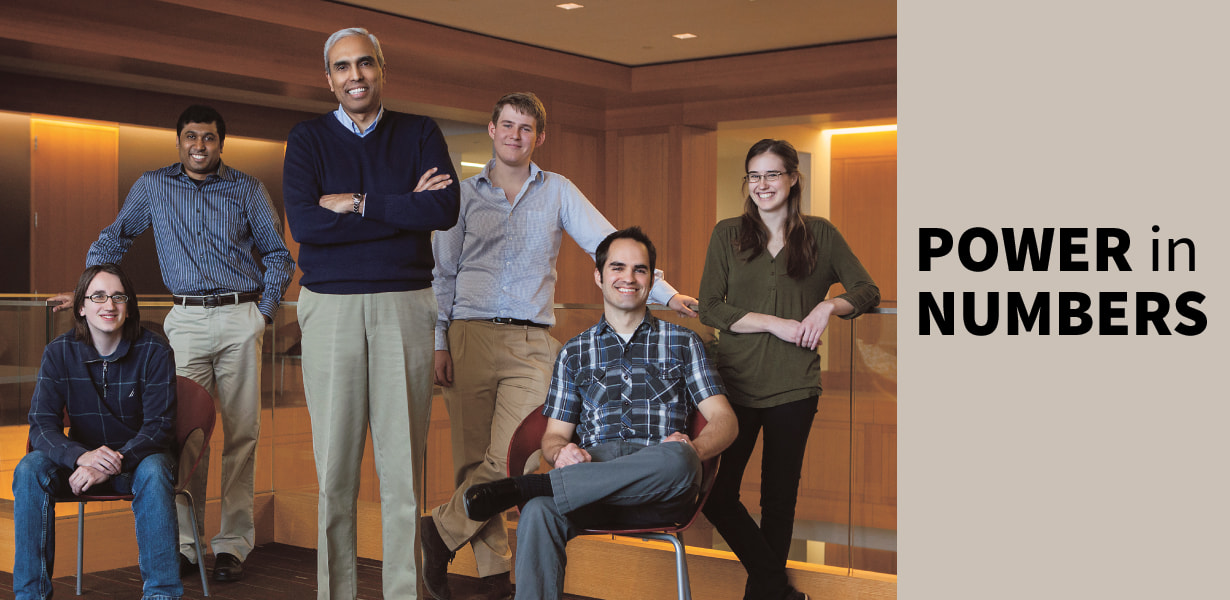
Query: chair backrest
[[527, 439], [194, 426]]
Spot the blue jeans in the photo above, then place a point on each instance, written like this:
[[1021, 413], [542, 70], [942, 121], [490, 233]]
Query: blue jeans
[[763, 548], [37, 480]]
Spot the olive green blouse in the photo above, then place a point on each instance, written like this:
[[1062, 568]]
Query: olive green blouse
[[759, 369]]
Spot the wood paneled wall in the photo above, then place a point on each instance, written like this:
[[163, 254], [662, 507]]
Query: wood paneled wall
[[577, 154], [15, 200], [864, 202], [664, 179], [637, 140], [74, 168]]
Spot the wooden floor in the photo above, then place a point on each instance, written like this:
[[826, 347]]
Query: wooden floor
[[271, 572]]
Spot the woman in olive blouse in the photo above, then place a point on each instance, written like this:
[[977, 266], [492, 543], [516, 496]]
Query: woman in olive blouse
[[766, 277]]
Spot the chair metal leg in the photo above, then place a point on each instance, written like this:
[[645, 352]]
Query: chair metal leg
[[196, 540], [681, 562], [80, 542]]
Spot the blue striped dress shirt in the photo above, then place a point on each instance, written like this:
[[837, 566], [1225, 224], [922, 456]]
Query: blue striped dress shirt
[[205, 234]]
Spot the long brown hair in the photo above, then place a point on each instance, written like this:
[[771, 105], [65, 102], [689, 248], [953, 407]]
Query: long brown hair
[[800, 244], [131, 330]]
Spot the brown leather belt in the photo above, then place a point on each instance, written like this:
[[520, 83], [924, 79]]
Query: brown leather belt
[[218, 299]]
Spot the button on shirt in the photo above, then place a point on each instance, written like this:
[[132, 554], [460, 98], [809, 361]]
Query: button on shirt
[[499, 260], [640, 391], [205, 234]]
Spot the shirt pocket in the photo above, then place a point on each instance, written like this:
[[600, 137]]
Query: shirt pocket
[[233, 222], [591, 384], [664, 379]]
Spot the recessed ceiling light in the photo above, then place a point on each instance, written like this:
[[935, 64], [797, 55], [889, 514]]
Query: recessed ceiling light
[[569, 6], [684, 36]]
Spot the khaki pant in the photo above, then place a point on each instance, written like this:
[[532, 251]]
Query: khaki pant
[[220, 348], [367, 360], [500, 374]]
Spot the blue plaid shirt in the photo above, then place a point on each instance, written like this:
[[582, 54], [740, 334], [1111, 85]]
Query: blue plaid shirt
[[640, 392]]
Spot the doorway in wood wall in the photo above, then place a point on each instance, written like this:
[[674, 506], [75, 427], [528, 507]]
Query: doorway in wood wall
[[74, 168]]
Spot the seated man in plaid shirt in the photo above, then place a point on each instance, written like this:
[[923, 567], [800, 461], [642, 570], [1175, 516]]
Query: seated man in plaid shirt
[[629, 384]]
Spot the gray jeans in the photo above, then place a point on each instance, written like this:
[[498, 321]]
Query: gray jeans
[[626, 485]]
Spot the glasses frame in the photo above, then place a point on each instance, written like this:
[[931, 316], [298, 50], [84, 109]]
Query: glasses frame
[[768, 176], [100, 298]]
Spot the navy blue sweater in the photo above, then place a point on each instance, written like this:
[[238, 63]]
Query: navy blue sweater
[[125, 401], [388, 248]]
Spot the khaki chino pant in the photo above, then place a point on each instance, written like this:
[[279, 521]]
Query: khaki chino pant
[[220, 348], [367, 360], [500, 374]]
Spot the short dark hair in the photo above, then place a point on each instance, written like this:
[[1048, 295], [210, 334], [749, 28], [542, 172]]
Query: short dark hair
[[632, 233], [525, 103], [199, 113], [132, 321]]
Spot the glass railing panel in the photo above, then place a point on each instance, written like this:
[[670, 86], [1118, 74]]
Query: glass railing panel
[[859, 410], [846, 511], [294, 466], [29, 324], [23, 324]]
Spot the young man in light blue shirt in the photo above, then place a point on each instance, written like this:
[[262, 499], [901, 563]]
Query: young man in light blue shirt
[[494, 282]]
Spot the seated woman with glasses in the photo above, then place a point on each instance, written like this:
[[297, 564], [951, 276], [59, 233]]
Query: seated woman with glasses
[[116, 382], [764, 285]]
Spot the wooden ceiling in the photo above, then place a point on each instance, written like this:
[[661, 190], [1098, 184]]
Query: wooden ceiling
[[267, 54], [640, 32]]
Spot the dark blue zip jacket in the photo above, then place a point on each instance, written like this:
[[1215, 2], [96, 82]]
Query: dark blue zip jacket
[[125, 401]]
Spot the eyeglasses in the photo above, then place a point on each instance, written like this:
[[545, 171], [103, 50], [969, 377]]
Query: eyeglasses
[[769, 176], [99, 298]]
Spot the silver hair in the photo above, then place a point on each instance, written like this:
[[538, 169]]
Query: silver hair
[[349, 31]]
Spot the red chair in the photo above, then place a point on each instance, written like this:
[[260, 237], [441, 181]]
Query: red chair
[[527, 440], [194, 425]]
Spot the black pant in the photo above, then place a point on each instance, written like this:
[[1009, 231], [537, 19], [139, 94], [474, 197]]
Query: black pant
[[763, 549]]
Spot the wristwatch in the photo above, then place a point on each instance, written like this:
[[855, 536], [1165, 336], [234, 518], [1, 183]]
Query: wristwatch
[[358, 199]]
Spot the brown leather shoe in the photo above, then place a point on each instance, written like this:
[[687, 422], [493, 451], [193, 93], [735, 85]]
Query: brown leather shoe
[[228, 567], [436, 557], [498, 586]]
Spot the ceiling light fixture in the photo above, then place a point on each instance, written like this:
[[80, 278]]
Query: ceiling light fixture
[[684, 36], [871, 129], [473, 164], [570, 6]]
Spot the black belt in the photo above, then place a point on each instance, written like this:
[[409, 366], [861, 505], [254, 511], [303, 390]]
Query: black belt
[[218, 299], [521, 322]]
